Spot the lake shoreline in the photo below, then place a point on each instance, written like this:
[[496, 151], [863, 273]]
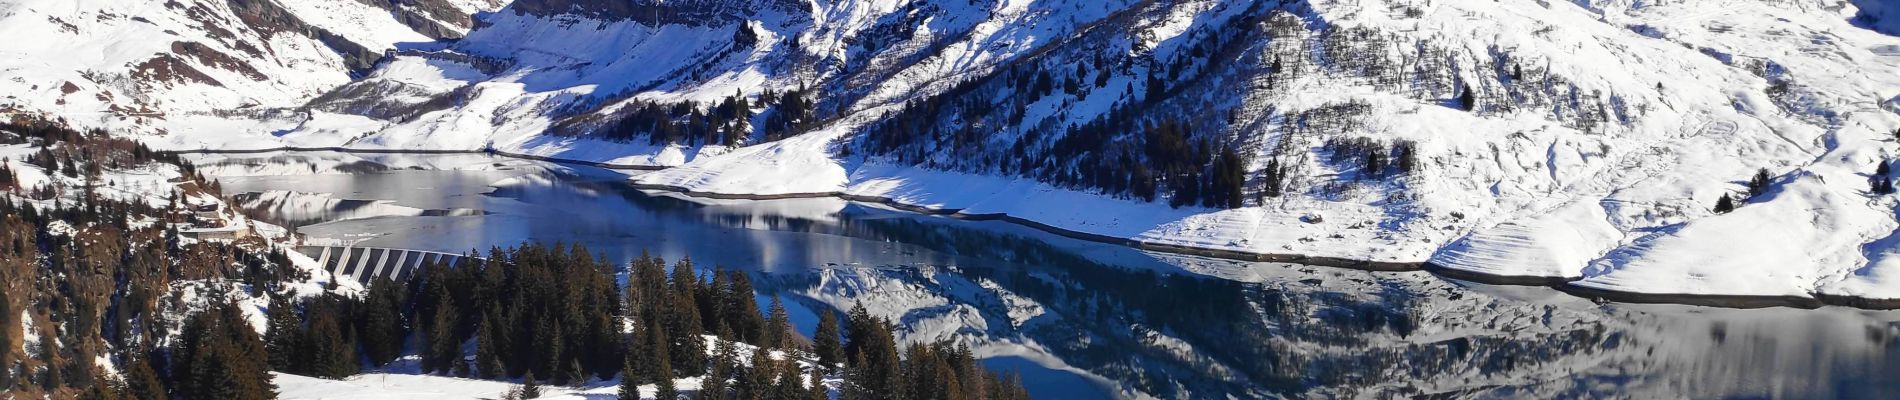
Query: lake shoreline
[[1563, 284]]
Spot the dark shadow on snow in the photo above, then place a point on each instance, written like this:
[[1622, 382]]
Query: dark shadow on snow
[[1877, 15]]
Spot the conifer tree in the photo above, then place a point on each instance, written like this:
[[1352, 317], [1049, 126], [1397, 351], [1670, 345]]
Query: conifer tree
[[630, 378], [549, 340], [573, 373], [462, 368], [875, 372], [664, 389], [817, 389], [1758, 185], [743, 310], [684, 281], [975, 378], [381, 323], [1466, 100], [1275, 179], [826, 341], [724, 363], [688, 348], [141, 381], [755, 381], [331, 356], [442, 348], [858, 323], [530, 388], [1405, 156], [660, 345], [858, 381], [487, 361], [779, 332], [1723, 205], [789, 384], [281, 334], [646, 288], [55, 376], [716, 306], [221, 357], [640, 363], [1228, 186]]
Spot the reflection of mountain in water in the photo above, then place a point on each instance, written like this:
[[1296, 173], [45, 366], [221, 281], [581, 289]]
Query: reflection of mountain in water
[[1171, 326], [1144, 323], [1175, 336], [1330, 333], [283, 163], [295, 209]]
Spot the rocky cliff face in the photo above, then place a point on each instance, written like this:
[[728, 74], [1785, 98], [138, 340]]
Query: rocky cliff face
[[440, 19], [658, 12]]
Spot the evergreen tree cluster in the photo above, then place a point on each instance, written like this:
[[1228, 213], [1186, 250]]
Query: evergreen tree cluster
[[761, 376], [1374, 159], [328, 336], [552, 311], [1757, 186], [792, 112], [933, 371], [673, 312], [75, 154], [685, 123], [99, 287], [546, 310], [69, 151], [220, 357], [727, 122], [103, 294], [1273, 180]]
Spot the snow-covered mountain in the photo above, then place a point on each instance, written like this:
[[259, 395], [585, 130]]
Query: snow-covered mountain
[[1586, 140], [150, 66]]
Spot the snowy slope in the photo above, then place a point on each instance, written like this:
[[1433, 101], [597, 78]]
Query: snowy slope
[[187, 66], [507, 83], [1529, 191], [1600, 135], [1703, 93]]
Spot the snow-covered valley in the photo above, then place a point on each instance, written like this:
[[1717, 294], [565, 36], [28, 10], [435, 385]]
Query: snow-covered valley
[[1596, 141]]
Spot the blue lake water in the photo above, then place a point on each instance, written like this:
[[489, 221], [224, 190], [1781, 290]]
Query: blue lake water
[[1086, 320]]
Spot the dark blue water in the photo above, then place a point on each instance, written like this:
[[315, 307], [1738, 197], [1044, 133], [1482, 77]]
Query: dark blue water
[[1086, 320]]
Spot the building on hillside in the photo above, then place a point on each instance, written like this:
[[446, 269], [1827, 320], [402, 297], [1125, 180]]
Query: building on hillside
[[232, 232]]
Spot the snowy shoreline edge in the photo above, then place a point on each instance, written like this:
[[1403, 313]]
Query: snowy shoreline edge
[[1562, 284]]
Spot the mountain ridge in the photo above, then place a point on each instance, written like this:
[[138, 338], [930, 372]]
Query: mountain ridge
[[1583, 141]]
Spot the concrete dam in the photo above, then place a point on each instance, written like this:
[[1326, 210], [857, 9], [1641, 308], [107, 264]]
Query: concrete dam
[[367, 264]]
